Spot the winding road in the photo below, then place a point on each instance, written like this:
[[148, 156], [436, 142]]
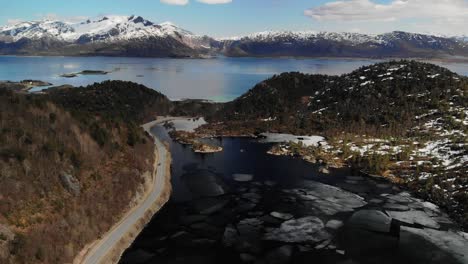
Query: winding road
[[99, 250]]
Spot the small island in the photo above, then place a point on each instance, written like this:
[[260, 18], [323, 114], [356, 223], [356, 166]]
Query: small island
[[191, 138], [84, 72]]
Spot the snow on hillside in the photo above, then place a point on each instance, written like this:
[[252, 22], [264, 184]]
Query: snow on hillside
[[353, 38], [105, 28]]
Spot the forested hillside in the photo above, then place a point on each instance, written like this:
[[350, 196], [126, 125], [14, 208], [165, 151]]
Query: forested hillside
[[71, 163], [405, 120]]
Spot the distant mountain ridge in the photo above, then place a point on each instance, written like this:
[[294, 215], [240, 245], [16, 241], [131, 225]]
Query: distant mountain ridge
[[330, 44], [135, 36]]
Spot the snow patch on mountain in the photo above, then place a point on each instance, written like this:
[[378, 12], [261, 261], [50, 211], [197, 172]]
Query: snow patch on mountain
[[104, 28]]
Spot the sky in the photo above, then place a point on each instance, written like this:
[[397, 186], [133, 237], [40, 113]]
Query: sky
[[224, 18]]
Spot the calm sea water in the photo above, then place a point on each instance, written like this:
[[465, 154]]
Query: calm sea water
[[220, 79]]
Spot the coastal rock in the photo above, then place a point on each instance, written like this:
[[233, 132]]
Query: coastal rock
[[306, 229]]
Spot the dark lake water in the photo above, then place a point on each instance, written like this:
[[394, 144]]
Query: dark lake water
[[220, 79], [287, 213]]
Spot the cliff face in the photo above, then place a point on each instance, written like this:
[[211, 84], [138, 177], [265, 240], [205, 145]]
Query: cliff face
[[68, 170]]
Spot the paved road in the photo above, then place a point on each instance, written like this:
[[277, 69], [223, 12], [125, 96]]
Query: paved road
[[108, 242]]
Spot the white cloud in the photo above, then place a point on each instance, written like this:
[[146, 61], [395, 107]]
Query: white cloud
[[185, 2], [175, 2], [422, 15]]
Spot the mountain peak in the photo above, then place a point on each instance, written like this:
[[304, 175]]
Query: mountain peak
[[102, 28]]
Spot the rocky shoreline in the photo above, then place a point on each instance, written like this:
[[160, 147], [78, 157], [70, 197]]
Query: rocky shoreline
[[23, 86]]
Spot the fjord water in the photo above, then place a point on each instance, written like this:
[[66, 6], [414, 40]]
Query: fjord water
[[288, 212], [218, 79]]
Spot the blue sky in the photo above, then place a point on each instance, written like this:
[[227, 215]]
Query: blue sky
[[239, 17]]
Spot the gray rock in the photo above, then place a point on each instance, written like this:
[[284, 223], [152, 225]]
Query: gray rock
[[70, 183]]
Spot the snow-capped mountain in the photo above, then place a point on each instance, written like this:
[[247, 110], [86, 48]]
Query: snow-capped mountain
[[135, 36], [106, 28], [106, 35], [312, 44]]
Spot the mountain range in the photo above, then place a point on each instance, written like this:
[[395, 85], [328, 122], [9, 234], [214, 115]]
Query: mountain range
[[136, 36]]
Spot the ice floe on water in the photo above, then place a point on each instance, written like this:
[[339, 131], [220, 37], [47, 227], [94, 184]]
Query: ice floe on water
[[242, 177], [446, 241], [306, 229], [372, 220], [283, 216], [414, 217], [327, 199], [284, 138]]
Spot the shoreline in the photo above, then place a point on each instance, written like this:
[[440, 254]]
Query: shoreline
[[114, 249], [221, 56]]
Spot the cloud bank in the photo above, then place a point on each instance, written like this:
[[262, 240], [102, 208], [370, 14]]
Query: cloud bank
[[422, 15]]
